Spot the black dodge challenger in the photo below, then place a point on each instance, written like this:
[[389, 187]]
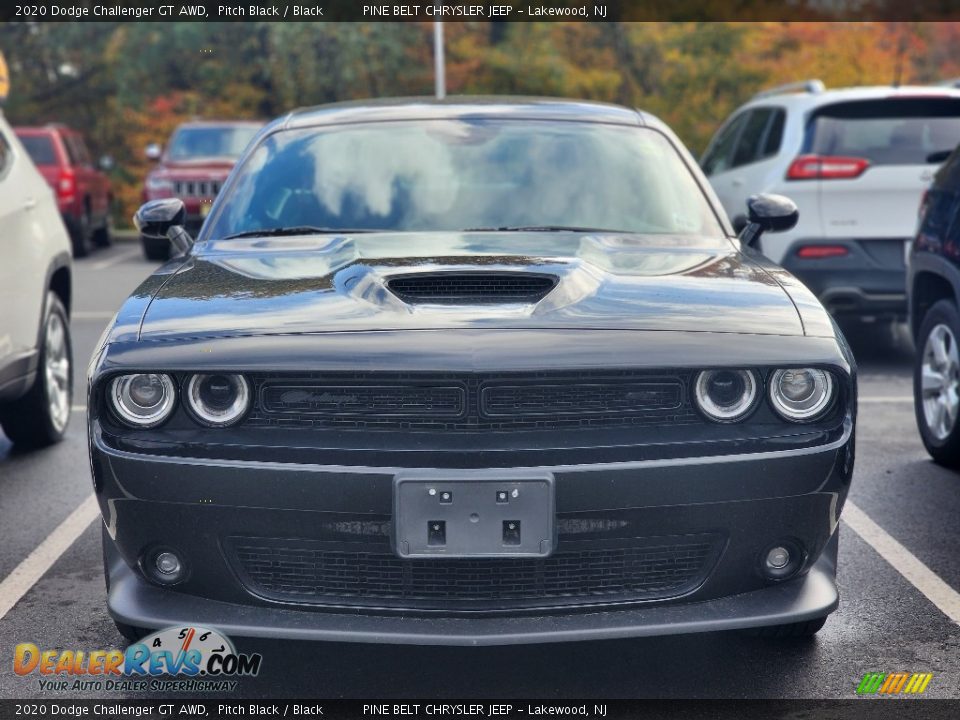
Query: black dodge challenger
[[470, 372]]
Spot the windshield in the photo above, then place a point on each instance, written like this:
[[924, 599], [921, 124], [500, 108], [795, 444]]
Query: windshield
[[451, 175], [194, 142]]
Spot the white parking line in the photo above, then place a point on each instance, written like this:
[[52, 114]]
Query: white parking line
[[32, 568], [115, 259], [78, 408], [91, 315], [904, 562], [887, 399]]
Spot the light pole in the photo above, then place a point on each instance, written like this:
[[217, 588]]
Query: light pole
[[439, 70]]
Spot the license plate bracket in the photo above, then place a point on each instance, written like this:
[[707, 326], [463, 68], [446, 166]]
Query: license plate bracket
[[473, 516]]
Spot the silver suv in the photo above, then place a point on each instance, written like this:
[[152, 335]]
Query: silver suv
[[856, 162]]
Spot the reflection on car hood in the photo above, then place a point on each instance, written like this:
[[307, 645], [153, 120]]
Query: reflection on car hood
[[339, 284]]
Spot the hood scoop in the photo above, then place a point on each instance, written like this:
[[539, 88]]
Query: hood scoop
[[471, 287]]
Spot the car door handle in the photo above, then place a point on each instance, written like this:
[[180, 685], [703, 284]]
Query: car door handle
[[30, 203]]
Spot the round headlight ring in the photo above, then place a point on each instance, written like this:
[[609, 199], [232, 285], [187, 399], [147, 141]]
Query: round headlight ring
[[804, 406], [726, 410], [142, 400], [223, 411]]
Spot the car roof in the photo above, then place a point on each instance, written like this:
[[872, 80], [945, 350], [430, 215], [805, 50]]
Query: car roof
[[804, 100], [461, 107]]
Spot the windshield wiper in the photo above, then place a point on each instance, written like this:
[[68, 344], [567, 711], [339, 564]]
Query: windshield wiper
[[296, 230], [541, 228]]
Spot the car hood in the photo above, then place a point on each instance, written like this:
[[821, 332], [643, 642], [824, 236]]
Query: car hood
[[263, 286]]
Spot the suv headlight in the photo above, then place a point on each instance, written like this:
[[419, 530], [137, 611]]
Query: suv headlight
[[801, 394], [725, 395], [218, 399], [143, 400]]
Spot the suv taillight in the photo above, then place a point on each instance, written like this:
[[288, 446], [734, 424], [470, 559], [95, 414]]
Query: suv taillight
[[826, 167], [66, 186]]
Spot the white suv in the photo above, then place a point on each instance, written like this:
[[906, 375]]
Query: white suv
[[856, 162], [36, 379]]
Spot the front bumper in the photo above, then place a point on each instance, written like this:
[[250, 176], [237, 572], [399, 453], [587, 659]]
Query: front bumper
[[135, 602], [742, 503]]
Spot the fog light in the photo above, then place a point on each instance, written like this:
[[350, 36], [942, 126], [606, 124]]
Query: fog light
[[778, 558], [163, 566], [782, 561], [168, 564]]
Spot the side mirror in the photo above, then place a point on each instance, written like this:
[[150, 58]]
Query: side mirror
[[768, 213], [153, 151], [106, 163], [164, 218]]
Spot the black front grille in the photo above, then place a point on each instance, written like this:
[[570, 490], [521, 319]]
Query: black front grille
[[580, 572], [466, 402], [578, 398], [456, 287], [364, 400]]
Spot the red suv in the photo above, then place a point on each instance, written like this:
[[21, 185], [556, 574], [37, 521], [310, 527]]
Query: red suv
[[82, 189], [193, 166]]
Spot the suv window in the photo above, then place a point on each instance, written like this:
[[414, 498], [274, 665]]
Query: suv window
[[892, 131], [718, 156], [40, 149], [771, 145], [76, 149], [748, 146], [761, 136]]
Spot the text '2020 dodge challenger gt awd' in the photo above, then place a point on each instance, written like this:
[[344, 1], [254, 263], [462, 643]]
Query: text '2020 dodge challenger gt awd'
[[470, 372]]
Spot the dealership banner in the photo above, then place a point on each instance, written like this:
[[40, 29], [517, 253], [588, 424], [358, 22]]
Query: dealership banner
[[483, 709], [475, 10]]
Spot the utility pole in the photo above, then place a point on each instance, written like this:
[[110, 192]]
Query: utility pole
[[439, 68]]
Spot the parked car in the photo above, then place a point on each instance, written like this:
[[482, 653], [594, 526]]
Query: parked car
[[82, 189], [934, 283], [36, 380], [192, 167], [474, 372], [856, 162]]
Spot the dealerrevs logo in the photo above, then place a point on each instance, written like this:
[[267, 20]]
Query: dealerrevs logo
[[205, 657]]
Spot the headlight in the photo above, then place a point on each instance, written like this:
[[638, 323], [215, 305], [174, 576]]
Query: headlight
[[725, 395], [800, 394], [143, 400], [218, 400]]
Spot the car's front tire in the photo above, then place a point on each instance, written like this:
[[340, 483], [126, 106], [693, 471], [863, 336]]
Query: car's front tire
[[936, 383], [155, 249], [40, 417]]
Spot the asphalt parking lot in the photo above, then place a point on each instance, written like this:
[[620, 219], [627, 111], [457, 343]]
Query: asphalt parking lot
[[899, 574]]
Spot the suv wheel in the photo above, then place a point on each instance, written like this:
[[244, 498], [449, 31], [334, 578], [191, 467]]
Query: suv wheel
[[40, 417], [936, 383], [101, 236], [80, 236]]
